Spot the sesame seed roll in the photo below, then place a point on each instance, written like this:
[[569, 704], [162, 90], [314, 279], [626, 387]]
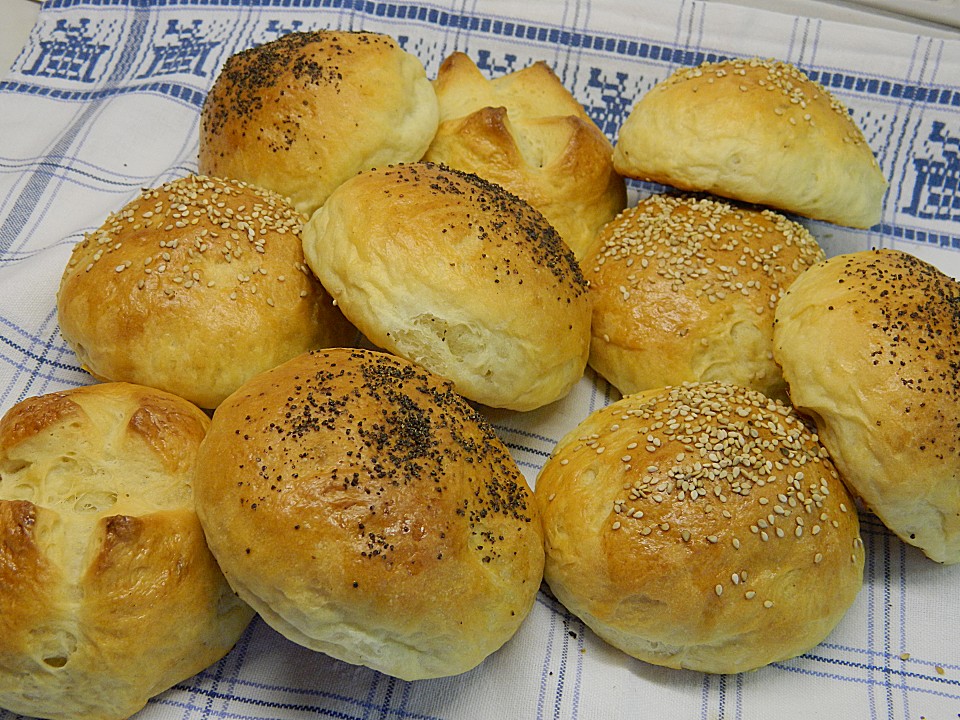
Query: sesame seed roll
[[366, 511], [759, 131], [457, 274], [870, 345], [193, 287], [684, 289], [701, 526], [302, 113]]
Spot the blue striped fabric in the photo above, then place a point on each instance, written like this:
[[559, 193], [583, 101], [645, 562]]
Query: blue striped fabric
[[104, 100]]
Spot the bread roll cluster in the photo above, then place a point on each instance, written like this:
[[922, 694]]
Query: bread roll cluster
[[365, 252], [213, 289], [679, 519]]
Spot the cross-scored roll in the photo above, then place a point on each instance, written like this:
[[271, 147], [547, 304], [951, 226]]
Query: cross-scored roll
[[525, 131], [108, 593]]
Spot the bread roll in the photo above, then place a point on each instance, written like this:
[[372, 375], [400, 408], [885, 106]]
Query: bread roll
[[526, 132], [759, 131], [108, 594], [366, 511], [194, 287], [301, 114], [456, 274], [870, 346], [701, 527], [684, 289]]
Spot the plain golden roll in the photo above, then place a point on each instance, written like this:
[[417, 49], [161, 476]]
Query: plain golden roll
[[700, 527], [193, 287], [302, 113], [525, 131], [758, 131], [368, 512], [108, 593], [684, 289], [457, 274], [870, 346]]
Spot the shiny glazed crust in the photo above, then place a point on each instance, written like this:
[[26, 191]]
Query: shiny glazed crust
[[193, 287], [869, 346], [301, 114], [700, 527], [684, 289], [108, 594], [759, 131], [454, 273], [366, 511]]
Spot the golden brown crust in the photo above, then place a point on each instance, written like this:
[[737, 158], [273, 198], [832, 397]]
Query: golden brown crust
[[758, 131], [885, 395], [701, 527], [301, 114], [28, 578], [458, 275], [193, 287], [526, 132], [108, 593], [365, 510], [684, 289]]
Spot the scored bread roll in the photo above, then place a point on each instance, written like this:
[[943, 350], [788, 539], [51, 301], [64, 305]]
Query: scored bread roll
[[454, 273], [527, 133], [193, 287], [302, 113], [700, 527], [870, 346], [108, 593], [368, 512], [684, 289], [759, 131]]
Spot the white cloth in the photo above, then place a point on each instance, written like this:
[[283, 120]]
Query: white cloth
[[104, 99]]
